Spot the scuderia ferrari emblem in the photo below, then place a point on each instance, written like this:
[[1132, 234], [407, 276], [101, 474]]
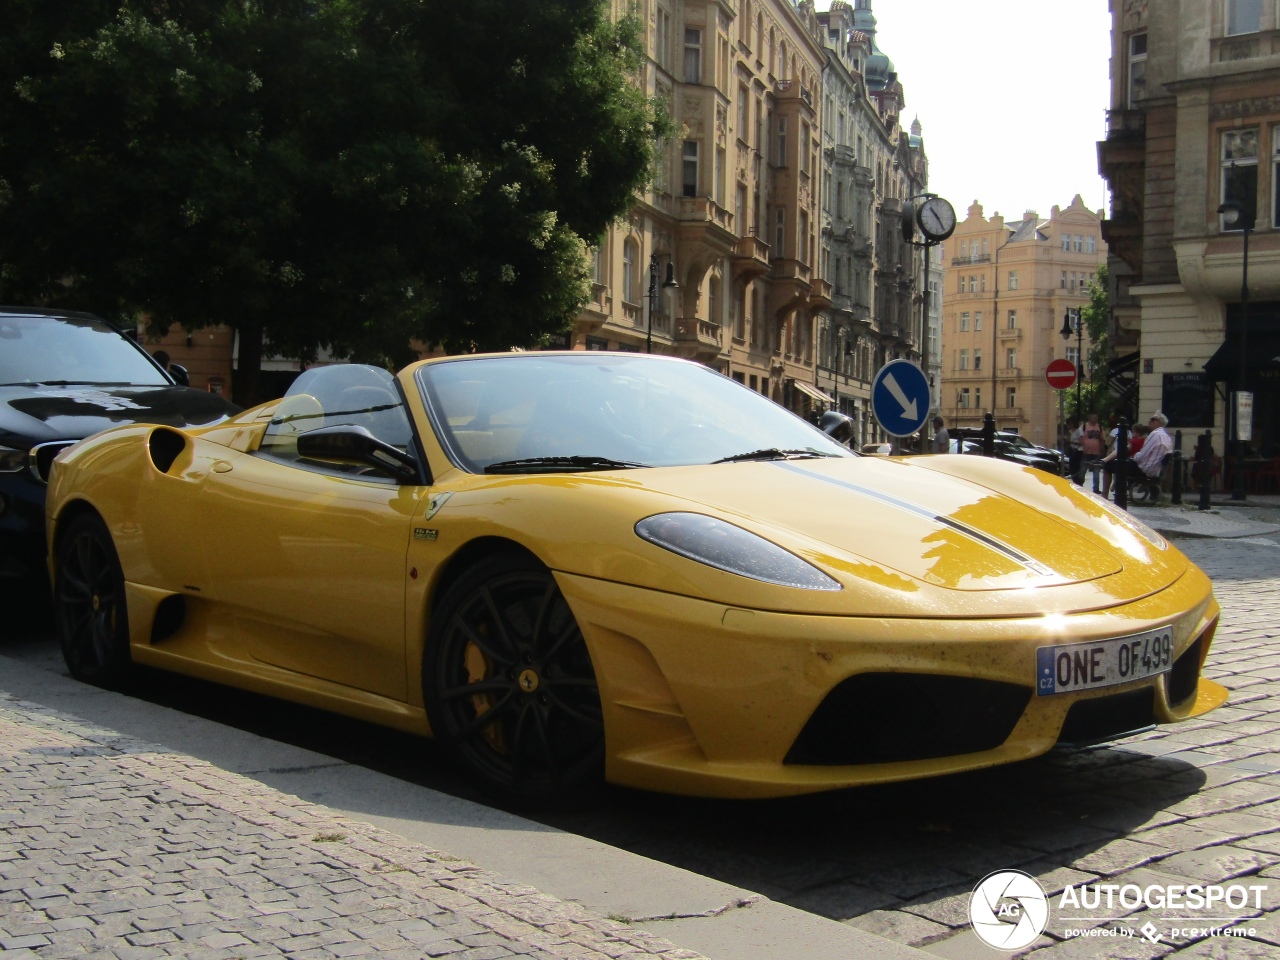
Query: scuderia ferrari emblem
[[434, 503]]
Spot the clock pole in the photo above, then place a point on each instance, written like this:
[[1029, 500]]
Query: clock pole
[[936, 219]]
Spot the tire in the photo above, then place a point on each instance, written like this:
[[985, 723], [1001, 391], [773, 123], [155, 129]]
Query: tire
[[509, 686], [89, 604]]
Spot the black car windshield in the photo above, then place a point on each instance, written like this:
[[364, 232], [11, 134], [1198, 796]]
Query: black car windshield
[[70, 350], [605, 411]]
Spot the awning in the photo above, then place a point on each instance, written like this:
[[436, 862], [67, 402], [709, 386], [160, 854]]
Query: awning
[[815, 393], [1262, 354]]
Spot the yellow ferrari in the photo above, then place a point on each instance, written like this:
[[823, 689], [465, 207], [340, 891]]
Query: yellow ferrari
[[573, 565]]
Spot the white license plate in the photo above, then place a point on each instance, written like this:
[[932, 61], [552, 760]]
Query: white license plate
[[1069, 667]]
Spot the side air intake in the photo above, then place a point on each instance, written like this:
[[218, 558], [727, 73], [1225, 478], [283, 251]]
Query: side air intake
[[164, 447]]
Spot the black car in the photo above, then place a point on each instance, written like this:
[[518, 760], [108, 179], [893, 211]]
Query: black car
[[1024, 446], [63, 377]]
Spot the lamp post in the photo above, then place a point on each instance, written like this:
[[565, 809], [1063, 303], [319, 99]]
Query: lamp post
[[1235, 216], [669, 284], [1072, 318]]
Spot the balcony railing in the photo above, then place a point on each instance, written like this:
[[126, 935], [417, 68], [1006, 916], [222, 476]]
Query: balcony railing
[[1010, 373], [1010, 333], [705, 334], [704, 209], [976, 258], [1126, 124], [784, 269]]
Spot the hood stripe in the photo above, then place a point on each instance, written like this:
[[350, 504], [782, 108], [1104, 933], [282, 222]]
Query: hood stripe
[[907, 506]]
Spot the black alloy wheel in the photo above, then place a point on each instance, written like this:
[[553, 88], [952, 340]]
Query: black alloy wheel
[[89, 604], [509, 685]]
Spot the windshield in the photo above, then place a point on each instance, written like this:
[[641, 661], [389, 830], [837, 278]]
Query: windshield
[[70, 350], [603, 412]]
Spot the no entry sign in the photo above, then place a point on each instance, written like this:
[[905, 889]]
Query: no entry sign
[[1060, 374]]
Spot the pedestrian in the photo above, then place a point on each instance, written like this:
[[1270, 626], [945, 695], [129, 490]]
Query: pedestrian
[[1093, 446], [1149, 461], [1137, 437], [175, 370], [1074, 432], [941, 438]]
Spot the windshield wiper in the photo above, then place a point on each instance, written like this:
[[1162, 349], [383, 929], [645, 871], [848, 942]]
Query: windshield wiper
[[773, 453], [559, 465]]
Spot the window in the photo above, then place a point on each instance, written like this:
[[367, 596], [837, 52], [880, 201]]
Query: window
[[693, 56], [1013, 279], [977, 359], [690, 168], [780, 233], [1079, 243], [1013, 319], [804, 148], [1011, 359], [961, 284], [982, 283], [713, 301], [782, 142], [1243, 16], [1240, 171], [739, 311], [1066, 242], [1275, 193], [964, 359], [662, 53], [962, 398], [985, 249], [964, 249], [740, 209], [977, 320], [744, 109], [759, 140], [964, 322], [977, 398], [840, 199], [803, 241], [1137, 68], [630, 260], [597, 265], [1010, 397], [973, 284], [1090, 244], [1064, 280], [720, 185]]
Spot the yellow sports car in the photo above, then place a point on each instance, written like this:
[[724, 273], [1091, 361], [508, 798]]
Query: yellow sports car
[[574, 565]]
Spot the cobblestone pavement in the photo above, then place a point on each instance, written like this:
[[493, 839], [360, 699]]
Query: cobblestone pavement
[[110, 847]]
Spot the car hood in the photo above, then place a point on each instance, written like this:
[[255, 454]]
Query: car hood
[[931, 536], [31, 415]]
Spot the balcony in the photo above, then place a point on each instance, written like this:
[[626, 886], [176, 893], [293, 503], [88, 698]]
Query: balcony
[[632, 313], [1012, 334], [843, 154], [820, 295], [1009, 373], [1005, 414], [706, 224], [784, 269], [705, 210], [698, 339], [750, 257], [977, 258], [862, 247], [1126, 125]]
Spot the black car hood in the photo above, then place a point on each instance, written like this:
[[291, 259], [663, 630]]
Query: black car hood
[[36, 414]]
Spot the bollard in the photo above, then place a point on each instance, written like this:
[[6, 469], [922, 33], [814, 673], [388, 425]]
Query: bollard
[[1120, 470], [1175, 493], [1204, 463], [988, 435]]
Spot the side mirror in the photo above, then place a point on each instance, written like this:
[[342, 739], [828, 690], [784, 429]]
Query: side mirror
[[348, 443], [179, 374], [837, 426]]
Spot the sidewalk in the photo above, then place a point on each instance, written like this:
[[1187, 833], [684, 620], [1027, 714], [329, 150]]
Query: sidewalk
[[1258, 517], [113, 847]]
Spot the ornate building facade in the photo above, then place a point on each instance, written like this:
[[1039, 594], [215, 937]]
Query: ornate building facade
[[870, 166], [1006, 288]]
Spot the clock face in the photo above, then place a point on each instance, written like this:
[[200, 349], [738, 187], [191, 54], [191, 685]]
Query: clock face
[[937, 218]]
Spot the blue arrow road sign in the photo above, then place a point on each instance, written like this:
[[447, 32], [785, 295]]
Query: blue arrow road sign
[[900, 398]]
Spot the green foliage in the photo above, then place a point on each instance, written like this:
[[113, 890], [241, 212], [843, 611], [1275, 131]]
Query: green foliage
[[1095, 397], [354, 173]]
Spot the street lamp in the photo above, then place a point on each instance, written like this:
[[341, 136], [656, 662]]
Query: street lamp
[[1072, 316], [1234, 217], [670, 284]]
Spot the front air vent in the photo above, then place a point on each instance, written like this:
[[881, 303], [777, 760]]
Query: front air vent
[[170, 615], [164, 447]]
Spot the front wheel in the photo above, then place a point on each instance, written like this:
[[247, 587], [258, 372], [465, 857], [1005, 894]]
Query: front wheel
[[508, 682], [89, 604]]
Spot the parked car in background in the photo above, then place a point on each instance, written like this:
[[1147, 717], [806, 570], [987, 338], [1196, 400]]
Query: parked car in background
[[63, 377], [1004, 450], [1026, 447], [877, 449]]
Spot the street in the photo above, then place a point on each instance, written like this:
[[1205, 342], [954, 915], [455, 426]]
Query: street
[[1194, 803]]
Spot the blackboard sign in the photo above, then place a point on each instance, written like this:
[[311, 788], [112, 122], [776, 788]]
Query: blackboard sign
[[1187, 400]]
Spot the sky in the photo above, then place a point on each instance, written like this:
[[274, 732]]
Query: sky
[[1012, 96]]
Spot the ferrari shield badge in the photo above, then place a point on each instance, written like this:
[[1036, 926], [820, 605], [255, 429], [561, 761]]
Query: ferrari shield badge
[[434, 503]]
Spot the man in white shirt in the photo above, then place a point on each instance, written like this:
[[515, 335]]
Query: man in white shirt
[[1148, 462]]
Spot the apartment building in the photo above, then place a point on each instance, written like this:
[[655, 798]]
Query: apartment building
[[1006, 288], [870, 165], [732, 216], [1195, 122]]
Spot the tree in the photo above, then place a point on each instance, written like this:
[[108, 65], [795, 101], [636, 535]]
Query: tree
[[1095, 393], [353, 173]]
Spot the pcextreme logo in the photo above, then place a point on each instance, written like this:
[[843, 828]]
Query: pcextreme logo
[[1008, 909]]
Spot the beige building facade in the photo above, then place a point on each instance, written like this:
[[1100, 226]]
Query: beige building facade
[[1006, 288], [1194, 122], [732, 215]]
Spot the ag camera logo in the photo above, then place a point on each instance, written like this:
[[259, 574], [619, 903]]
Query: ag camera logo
[[1008, 910]]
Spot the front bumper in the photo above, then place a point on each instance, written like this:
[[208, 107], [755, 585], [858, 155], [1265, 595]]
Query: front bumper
[[22, 536], [709, 700]]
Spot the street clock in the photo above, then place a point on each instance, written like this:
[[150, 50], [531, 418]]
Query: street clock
[[936, 219]]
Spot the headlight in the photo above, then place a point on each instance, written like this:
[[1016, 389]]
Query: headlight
[[12, 461], [726, 547]]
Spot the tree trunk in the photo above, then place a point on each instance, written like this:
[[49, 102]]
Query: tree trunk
[[248, 383]]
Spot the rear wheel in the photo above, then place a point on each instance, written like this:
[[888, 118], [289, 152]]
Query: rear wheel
[[89, 604], [509, 685]]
